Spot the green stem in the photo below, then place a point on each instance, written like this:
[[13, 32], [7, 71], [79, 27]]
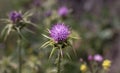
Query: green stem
[[19, 53], [59, 62]]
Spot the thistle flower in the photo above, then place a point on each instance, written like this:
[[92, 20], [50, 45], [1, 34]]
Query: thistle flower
[[60, 38], [83, 68], [59, 32], [63, 11], [15, 22], [15, 16], [98, 58], [106, 64], [90, 57]]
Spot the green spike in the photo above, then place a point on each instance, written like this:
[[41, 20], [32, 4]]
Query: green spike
[[68, 55], [52, 52], [45, 44], [46, 36], [61, 52]]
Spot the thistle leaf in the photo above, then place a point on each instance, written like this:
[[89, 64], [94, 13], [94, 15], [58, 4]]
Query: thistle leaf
[[29, 30], [27, 14], [4, 30], [52, 52], [6, 20], [34, 25], [46, 36], [70, 43], [45, 44], [67, 54], [48, 30], [21, 35], [74, 35], [61, 52], [30, 23], [9, 29]]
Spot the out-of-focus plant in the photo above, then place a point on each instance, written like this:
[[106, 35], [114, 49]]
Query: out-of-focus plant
[[95, 64], [16, 22], [7, 65]]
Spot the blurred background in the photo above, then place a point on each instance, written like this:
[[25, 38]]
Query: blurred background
[[97, 22]]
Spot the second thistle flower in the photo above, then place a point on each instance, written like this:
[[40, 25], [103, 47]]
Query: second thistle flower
[[15, 16]]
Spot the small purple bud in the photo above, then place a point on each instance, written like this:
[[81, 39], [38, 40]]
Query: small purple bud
[[36, 2], [63, 11], [98, 58], [59, 32], [15, 16], [90, 57], [48, 13]]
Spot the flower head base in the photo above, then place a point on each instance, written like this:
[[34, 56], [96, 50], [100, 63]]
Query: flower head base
[[83, 68], [15, 16], [98, 58], [106, 64], [59, 32], [63, 11]]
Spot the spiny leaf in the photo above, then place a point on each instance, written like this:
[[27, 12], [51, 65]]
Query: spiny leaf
[[6, 20], [74, 37], [48, 30], [46, 36], [70, 43], [61, 52], [3, 31], [29, 30], [9, 29], [52, 52], [30, 23], [45, 44], [68, 55], [27, 14], [21, 35], [36, 26]]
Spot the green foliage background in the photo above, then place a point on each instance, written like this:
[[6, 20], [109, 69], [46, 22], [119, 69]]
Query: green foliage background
[[97, 32]]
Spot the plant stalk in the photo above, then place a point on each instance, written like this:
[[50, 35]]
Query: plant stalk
[[19, 52], [59, 62]]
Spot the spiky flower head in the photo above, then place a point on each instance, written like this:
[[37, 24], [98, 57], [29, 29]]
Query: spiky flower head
[[59, 32], [98, 58], [63, 11], [15, 16], [15, 21]]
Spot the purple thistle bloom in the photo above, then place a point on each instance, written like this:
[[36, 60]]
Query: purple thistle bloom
[[15, 16], [59, 32], [63, 11], [98, 58], [90, 57]]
